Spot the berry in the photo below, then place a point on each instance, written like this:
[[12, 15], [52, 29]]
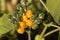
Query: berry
[[29, 23], [29, 13], [24, 18], [22, 24], [20, 31], [34, 26]]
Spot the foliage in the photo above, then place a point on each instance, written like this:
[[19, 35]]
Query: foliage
[[54, 8], [44, 15], [5, 24]]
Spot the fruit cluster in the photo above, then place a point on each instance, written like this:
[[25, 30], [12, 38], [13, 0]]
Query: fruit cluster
[[26, 21]]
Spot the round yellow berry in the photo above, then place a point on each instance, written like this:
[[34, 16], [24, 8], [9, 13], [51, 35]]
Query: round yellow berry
[[29, 23], [24, 18], [22, 25], [20, 31], [29, 13]]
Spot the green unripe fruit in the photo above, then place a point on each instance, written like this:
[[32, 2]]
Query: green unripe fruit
[[34, 26], [37, 37]]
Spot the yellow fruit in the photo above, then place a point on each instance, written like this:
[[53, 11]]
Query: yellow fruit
[[29, 13], [24, 18], [20, 31], [29, 23], [22, 25]]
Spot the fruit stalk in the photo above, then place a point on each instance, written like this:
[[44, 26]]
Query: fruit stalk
[[44, 30], [55, 30], [29, 36]]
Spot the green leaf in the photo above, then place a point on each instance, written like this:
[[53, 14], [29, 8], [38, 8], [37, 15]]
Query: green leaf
[[5, 24], [54, 7], [38, 38]]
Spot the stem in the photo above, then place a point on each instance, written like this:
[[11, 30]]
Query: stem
[[44, 6], [52, 25], [29, 37], [44, 30], [56, 26], [51, 32]]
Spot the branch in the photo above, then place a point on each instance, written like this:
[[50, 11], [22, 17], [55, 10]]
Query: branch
[[51, 32], [44, 6], [29, 36], [44, 30], [55, 26]]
